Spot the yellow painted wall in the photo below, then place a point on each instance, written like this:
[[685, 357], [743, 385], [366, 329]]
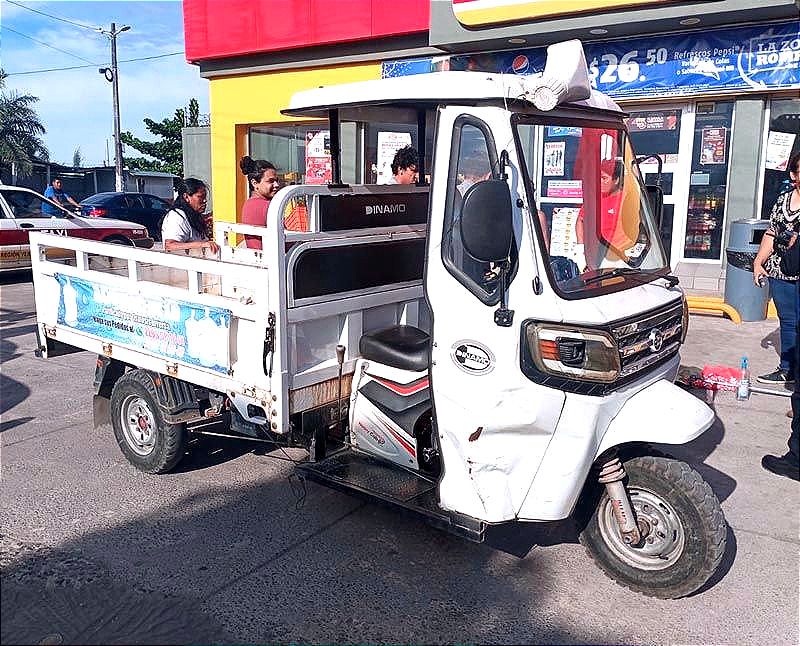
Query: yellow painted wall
[[237, 102]]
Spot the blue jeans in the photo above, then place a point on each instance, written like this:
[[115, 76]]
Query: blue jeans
[[784, 295]]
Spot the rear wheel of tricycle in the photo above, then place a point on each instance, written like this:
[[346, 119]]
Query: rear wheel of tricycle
[[682, 526], [145, 439]]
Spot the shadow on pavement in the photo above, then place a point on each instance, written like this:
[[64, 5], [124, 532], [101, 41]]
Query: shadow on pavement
[[519, 539], [7, 425], [772, 341], [242, 564], [204, 452], [697, 451], [12, 392], [15, 276], [18, 331]]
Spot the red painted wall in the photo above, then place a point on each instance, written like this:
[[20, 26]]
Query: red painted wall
[[220, 28]]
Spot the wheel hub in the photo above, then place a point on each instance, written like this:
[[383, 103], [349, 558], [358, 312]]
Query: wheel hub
[[663, 536], [138, 425]]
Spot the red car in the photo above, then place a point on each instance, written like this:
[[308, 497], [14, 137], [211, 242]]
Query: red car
[[21, 212]]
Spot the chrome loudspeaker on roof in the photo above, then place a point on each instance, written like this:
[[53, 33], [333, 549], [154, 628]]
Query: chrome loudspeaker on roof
[[565, 78]]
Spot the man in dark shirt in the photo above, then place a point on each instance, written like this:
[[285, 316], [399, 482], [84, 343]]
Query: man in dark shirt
[[789, 464]]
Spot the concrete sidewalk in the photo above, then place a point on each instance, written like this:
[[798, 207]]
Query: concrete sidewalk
[[762, 420]]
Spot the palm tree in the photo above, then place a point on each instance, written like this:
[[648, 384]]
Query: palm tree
[[20, 130]]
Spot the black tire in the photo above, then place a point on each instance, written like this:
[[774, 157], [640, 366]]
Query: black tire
[[119, 239], [688, 537], [145, 439]]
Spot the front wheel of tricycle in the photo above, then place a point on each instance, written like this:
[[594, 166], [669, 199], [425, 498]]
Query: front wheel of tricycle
[[682, 526]]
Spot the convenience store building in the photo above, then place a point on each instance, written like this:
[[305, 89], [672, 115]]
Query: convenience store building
[[712, 88]]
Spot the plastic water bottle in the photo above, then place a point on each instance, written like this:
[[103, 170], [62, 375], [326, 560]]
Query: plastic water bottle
[[743, 391]]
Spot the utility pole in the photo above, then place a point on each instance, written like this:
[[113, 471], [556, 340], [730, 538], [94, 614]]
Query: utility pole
[[112, 76]]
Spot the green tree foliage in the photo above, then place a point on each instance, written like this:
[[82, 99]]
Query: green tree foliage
[[165, 155], [20, 130], [77, 158]]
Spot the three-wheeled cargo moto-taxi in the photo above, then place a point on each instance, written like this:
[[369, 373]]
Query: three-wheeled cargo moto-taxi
[[497, 344]]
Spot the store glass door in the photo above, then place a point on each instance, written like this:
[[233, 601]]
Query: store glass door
[[708, 181], [782, 140], [658, 133]]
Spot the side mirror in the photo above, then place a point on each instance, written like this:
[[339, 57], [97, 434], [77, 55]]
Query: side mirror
[[656, 196], [487, 227]]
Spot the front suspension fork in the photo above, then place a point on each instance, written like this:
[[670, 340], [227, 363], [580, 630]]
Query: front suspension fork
[[612, 474]]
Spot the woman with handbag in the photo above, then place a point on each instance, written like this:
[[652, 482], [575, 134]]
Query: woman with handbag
[[784, 225]]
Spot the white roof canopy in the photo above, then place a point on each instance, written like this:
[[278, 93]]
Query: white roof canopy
[[423, 91]]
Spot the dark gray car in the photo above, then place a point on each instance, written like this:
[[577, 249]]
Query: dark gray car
[[142, 208]]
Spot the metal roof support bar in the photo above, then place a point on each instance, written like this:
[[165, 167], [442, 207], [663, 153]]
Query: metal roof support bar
[[336, 150]]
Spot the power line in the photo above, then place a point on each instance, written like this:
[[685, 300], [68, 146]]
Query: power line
[[78, 67], [52, 69], [69, 22], [19, 33], [147, 58]]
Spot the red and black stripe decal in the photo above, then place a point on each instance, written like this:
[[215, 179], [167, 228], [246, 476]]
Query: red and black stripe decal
[[395, 397], [404, 389]]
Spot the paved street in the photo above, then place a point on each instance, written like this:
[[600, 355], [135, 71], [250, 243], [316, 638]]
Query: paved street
[[233, 548]]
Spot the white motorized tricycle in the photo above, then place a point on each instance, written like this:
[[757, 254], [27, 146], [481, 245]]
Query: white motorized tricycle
[[496, 346]]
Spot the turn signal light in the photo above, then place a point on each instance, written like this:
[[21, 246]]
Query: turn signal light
[[548, 349]]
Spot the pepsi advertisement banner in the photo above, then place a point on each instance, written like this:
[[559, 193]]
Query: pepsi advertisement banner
[[742, 59], [171, 329]]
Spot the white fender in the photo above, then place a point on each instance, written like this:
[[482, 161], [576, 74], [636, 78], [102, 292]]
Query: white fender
[[661, 413]]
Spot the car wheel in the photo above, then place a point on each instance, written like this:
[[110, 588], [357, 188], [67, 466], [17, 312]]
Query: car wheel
[[117, 239]]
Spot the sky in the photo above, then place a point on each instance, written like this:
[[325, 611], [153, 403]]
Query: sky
[[76, 105]]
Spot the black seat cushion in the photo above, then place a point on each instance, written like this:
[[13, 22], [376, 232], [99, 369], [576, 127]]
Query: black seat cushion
[[401, 346]]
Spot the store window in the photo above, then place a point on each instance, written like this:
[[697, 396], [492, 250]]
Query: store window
[[708, 182], [382, 140], [656, 133], [783, 141], [300, 152]]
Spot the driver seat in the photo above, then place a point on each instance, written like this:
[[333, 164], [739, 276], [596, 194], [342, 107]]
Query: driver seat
[[401, 346]]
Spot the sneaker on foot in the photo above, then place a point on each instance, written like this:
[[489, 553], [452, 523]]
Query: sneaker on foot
[[783, 466], [777, 377]]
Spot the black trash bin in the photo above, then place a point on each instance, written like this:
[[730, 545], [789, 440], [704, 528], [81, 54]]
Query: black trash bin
[[740, 291]]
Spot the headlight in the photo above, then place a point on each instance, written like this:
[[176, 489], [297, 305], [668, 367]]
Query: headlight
[[684, 317], [575, 353]]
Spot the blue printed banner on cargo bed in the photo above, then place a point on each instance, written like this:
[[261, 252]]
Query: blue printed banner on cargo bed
[[165, 327]]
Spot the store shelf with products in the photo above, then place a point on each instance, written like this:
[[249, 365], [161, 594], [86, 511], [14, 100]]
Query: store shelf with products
[[704, 219]]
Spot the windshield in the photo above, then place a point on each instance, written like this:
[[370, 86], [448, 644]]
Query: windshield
[[598, 228]]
